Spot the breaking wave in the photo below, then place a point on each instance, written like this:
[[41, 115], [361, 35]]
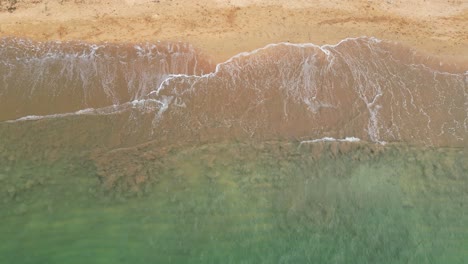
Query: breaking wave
[[55, 77]]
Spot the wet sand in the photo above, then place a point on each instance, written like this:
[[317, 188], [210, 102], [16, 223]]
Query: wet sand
[[223, 28]]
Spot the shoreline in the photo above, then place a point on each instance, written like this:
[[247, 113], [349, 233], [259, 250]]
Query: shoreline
[[222, 29]]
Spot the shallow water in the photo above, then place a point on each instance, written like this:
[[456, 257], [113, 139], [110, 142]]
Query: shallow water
[[347, 153], [374, 90], [54, 77], [267, 202]]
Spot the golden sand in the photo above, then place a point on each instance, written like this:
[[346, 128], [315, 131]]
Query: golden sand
[[222, 28]]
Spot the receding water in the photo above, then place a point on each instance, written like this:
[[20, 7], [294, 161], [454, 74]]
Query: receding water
[[351, 153]]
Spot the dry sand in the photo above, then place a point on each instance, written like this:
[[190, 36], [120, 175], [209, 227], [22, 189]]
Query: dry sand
[[222, 28]]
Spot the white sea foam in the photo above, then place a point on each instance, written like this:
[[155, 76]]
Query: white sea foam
[[323, 48], [86, 111], [108, 110], [331, 139]]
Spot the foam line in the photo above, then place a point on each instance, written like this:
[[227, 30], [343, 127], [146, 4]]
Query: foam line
[[255, 51], [331, 139]]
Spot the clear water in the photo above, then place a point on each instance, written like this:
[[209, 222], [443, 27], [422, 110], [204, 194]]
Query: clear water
[[234, 202]]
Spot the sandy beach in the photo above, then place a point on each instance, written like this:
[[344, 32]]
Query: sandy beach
[[223, 28]]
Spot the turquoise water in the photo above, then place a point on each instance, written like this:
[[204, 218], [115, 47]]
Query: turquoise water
[[238, 202]]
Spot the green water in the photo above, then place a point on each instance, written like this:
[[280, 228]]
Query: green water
[[237, 202]]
